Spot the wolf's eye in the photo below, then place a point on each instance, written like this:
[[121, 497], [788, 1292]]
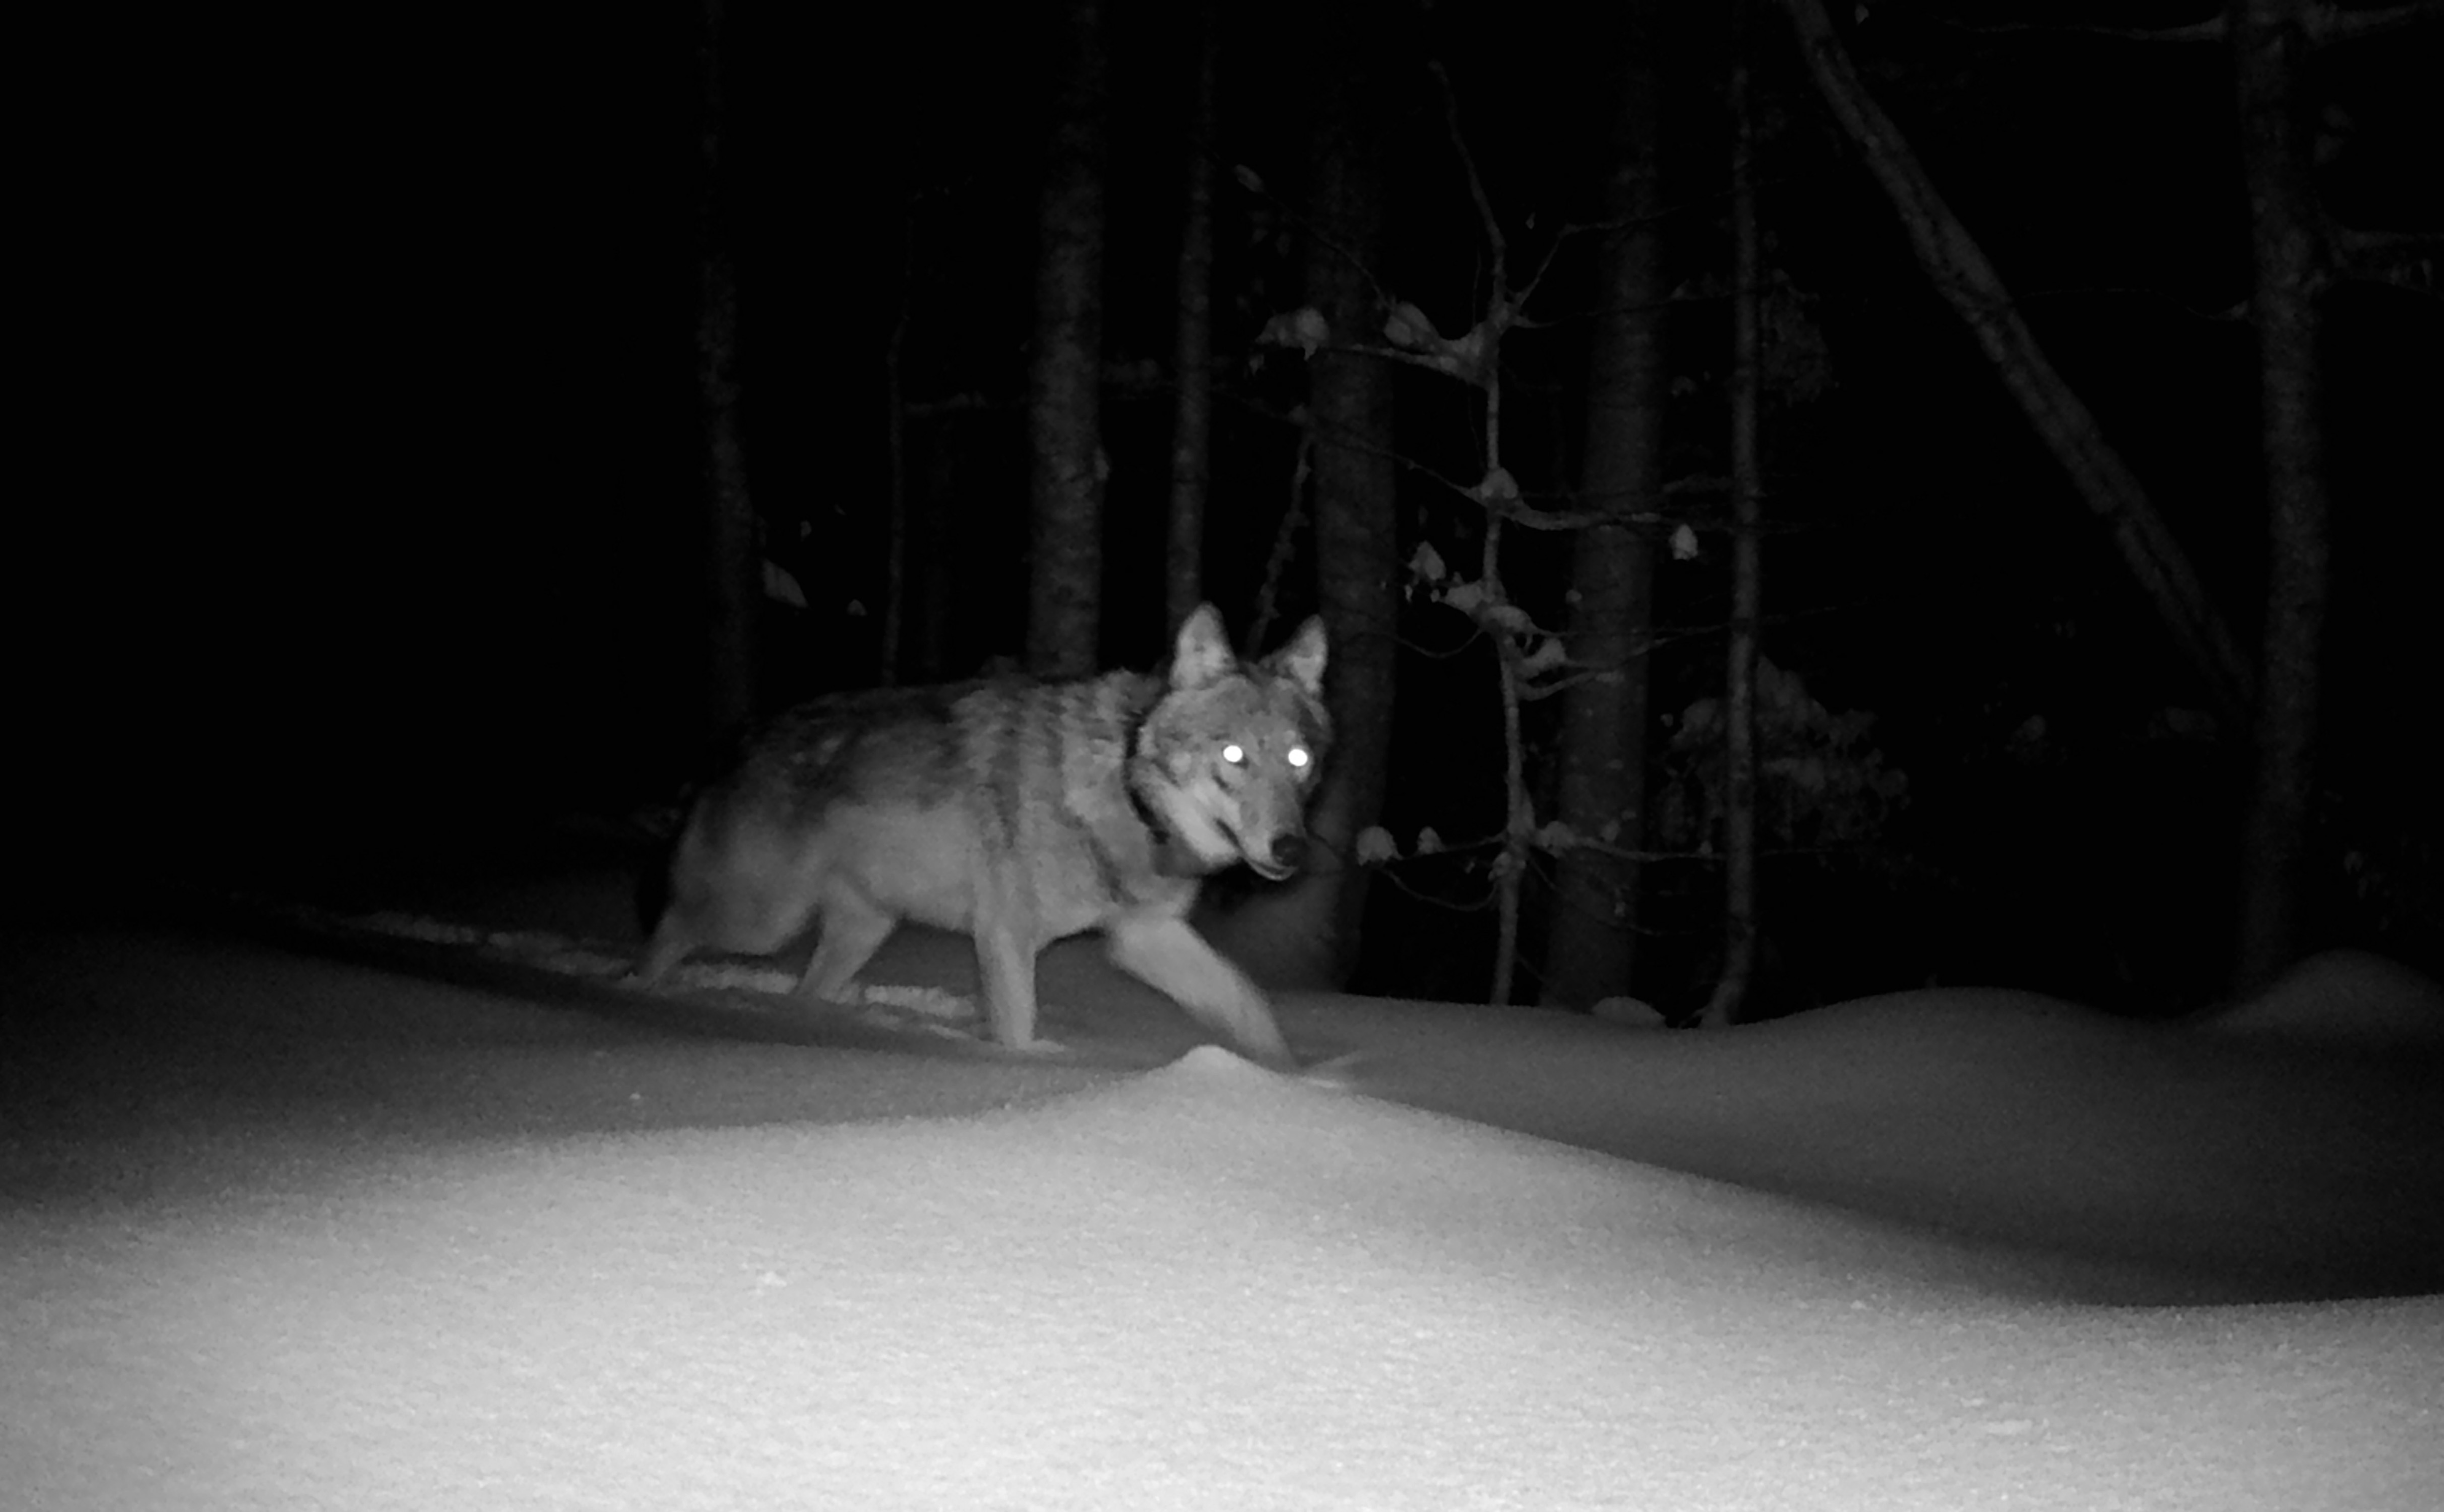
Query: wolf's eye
[[1298, 757], [1234, 755]]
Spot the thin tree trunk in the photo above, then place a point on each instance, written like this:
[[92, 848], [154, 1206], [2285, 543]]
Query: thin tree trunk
[[1065, 577], [1192, 358], [2268, 38], [1494, 610], [734, 577], [1747, 487], [1962, 274], [1519, 833], [894, 399], [943, 445], [1285, 539], [1356, 526], [1592, 944]]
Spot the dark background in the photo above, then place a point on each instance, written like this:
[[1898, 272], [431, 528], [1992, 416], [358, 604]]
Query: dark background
[[361, 493]]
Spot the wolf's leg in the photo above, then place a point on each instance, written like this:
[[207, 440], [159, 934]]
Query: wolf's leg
[[854, 929], [668, 948], [1170, 955], [1006, 961]]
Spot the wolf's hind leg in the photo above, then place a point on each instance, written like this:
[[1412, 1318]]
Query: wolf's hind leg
[[854, 929], [1168, 955], [1006, 963]]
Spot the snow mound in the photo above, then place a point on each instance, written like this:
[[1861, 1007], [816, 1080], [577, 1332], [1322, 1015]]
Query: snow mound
[[1206, 1287], [2343, 996]]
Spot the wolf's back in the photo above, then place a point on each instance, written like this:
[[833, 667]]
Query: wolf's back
[[914, 798], [1007, 748]]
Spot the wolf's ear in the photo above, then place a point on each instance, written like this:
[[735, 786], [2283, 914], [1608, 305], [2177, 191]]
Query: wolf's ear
[[1302, 660], [1203, 654]]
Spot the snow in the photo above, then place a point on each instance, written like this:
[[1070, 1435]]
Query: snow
[[285, 1233]]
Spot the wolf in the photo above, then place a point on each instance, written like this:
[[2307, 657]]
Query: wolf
[[1020, 813]]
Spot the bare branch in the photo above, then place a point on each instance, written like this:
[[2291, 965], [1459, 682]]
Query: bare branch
[[1467, 162], [1537, 277], [2211, 31], [2401, 259], [1249, 180], [2324, 24], [1535, 519], [2329, 22]]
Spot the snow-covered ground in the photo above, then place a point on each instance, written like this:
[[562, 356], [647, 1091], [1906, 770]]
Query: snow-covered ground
[[279, 1232]]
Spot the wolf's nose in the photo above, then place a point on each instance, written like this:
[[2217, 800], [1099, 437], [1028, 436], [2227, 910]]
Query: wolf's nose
[[1289, 852]]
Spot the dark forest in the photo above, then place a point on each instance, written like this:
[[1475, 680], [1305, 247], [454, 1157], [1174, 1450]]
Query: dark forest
[[378, 478]]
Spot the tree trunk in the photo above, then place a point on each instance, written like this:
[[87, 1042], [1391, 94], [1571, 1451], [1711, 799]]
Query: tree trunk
[[1962, 274], [1066, 575], [1193, 354], [1592, 944], [733, 575], [2268, 38], [895, 399], [1356, 526], [1747, 487], [937, 554]]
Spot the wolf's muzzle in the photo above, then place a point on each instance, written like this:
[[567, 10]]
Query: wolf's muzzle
[[1286, 855]]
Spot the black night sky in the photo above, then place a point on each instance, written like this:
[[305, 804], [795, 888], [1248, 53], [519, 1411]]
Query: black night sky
[[374, 469]]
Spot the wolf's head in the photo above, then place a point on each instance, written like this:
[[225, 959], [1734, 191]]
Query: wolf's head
[[1229, 756]]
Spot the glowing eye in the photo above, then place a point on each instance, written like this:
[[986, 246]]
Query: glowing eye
[[1298, 757], [1235, 756]]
